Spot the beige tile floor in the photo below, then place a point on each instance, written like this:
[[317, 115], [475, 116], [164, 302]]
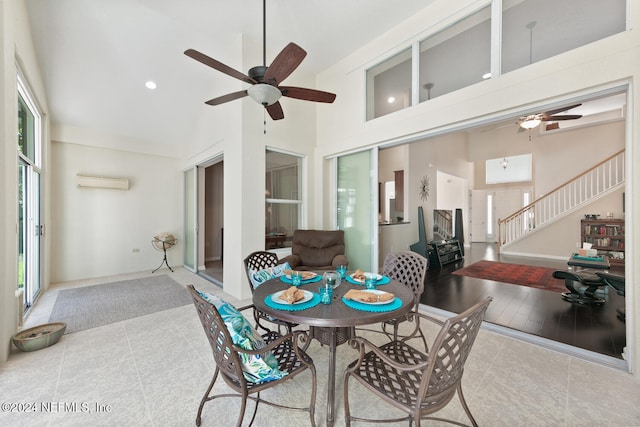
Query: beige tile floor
[[152, 371]]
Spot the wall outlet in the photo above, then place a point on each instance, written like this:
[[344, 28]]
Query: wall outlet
[[136, 250]]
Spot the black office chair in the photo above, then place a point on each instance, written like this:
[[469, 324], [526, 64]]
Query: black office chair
[[617, 283], [587, 279]]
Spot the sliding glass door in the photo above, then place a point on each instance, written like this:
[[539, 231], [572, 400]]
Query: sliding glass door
[[356, 198], [29, 227], [190, 219]]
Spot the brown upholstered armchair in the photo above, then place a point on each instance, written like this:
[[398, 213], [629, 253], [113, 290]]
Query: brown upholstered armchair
[[316, 250]]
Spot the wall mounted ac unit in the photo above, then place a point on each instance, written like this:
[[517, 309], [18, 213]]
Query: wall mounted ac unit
[[101, 182]]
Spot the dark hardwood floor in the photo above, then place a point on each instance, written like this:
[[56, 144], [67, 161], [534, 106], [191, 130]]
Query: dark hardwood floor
[[533, 311]]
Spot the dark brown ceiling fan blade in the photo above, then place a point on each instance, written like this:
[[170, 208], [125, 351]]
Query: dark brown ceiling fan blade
[[226, 98], [217, 65], [275, 111], [563, 117], [307, 94], [284, 64], [559, 110]]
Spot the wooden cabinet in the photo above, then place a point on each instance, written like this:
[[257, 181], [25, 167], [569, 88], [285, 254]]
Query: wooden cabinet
[[606, 236], [445, 252]]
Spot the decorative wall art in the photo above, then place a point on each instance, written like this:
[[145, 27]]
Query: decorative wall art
[[424, 188]]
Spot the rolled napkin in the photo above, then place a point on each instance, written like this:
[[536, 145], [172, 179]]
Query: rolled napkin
[[305, 274], [292, 295], [364, 296], [358, 276]]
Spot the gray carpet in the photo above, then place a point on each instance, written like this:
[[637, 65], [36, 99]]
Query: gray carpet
[[91, 306]]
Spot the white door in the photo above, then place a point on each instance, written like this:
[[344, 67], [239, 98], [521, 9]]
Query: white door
[[479, 232]]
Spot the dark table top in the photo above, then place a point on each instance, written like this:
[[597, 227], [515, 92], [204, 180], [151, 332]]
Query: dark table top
[[336, 314]]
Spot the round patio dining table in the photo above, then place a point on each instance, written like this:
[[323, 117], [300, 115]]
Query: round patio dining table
[[333, 324]]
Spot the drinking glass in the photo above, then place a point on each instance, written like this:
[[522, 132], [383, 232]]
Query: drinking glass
[[342, 270], [296, 278], [332, 278], [370, 280], [326, 292]]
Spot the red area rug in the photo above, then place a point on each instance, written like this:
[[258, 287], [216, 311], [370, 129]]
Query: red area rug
[[516, 274]]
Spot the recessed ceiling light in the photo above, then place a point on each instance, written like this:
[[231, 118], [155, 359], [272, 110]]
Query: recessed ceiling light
[[151, 85], [391, 100], [486, 76]]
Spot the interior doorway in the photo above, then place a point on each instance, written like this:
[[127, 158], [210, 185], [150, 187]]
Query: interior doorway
[[211, 196]]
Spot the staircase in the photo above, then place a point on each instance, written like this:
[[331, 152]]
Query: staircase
[[590, 185], [442, 225]]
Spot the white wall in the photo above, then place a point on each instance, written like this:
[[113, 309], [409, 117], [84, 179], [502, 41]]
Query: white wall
[[567, 153], [99, 232], [443, 155]]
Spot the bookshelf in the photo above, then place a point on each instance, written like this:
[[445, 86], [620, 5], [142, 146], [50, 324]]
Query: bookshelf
[[606, 236]]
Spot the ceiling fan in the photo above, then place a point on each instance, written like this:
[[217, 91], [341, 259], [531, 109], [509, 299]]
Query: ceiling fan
[[533, 120], [265, 81]]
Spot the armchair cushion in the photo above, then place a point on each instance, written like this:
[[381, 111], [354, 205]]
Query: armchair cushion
[[317, 249], [255, 368]]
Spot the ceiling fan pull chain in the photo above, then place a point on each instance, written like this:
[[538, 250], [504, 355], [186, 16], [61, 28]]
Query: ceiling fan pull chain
[[264, 118]]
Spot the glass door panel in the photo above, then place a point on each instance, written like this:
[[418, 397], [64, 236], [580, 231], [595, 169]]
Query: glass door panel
[[355, 213], [35, 230], [29, 231], [22, 230], [190, 219]]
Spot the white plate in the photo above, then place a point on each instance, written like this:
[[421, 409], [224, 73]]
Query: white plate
[[378, 277], [377, 292], [311, 275], [276, 298]]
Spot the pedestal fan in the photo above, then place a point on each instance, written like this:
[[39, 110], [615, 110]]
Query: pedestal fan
[[164, 242]]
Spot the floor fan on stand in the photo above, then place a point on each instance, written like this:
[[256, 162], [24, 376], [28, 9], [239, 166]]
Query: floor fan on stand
[[164, 242]]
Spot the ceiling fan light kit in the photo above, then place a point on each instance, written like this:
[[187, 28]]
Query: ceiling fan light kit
[[264, 94], [530, 123]]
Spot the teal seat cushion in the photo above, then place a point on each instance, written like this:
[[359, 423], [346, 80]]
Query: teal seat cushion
[[255, 368]]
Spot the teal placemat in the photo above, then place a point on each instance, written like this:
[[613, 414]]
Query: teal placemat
[[383, 281], [293, 307], [285, 279], [393, 305]]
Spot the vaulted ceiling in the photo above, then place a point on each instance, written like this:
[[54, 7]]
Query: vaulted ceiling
[[96, 55]]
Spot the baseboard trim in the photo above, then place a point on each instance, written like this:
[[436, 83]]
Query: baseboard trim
[[539, 256]]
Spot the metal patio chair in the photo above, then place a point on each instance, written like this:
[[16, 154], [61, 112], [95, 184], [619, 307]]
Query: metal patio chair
[[290, 358], [417, 383], [259, 260], [408, 268]]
